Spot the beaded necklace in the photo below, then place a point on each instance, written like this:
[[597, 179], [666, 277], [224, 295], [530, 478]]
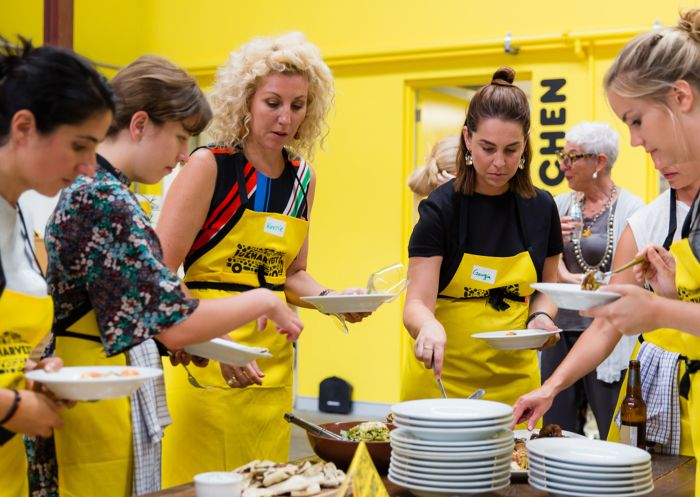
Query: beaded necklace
[[585, 267]]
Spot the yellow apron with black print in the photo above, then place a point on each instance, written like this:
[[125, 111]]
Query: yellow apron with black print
[[94, 448], [670, 340], [688, 284], [24, 322], [219, 430], [463, 309]]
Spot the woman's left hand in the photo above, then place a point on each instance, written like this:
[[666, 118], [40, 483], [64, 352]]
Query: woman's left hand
[[631, 314], [354, 317], [544, 322]]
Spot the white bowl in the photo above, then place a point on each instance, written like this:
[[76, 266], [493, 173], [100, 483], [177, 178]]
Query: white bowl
[[406, 437], [227, 352], [433, 456], [588, 452], [515, 339], [570, 296], [582, 490], [218, 484], [467, 410], [69, 383], [424, 423], [339, 304]]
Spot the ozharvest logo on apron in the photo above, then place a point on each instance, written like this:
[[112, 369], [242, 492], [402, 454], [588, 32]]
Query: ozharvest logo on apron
[[275, 226], [483, 274]]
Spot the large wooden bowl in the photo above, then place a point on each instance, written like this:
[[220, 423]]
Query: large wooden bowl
[[341, 452]]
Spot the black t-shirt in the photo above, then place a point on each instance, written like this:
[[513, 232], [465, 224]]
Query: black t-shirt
[[490, 226]]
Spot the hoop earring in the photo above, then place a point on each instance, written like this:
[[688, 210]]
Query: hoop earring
[[521, 162], [468, 159]]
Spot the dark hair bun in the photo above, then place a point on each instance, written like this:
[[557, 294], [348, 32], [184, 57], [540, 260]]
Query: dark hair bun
[[503, 75], [690, 23]]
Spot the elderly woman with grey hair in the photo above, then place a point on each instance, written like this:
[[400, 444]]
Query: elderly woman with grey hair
[[586, 160]]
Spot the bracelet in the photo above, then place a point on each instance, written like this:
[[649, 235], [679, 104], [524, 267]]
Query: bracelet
[[13, 408], [535, 314], [325, 292]]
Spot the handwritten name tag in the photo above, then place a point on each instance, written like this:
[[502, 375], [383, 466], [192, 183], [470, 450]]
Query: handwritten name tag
[[484, 274], [275, 227]]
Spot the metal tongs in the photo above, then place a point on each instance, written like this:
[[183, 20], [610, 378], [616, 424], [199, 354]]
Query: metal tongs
[[310, 427], [593, 279]]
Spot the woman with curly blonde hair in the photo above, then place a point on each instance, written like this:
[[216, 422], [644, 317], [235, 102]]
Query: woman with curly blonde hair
[[237, 216]]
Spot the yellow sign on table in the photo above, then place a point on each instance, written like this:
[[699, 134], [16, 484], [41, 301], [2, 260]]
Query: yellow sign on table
[[363, 476]]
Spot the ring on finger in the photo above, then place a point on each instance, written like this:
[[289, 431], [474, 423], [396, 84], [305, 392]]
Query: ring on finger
[[232, 381]]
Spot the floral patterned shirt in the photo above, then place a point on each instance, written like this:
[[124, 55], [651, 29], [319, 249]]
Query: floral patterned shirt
[[103, 253]]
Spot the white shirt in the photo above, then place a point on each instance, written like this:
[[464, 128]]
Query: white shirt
[[649, 224], [21, 272]]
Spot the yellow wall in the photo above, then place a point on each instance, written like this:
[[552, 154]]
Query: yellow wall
[[25, 17], [381, 51]]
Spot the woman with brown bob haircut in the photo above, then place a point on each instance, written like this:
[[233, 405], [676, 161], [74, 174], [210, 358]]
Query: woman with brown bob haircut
[[113, 293], [480, 241]]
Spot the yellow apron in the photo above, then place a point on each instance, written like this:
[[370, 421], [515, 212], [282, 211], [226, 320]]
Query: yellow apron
[[24, 321], [94, 448], [688, 284], [463, 309], [219, 430]]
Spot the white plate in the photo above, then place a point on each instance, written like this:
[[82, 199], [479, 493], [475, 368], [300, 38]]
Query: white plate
[[584, 492], [338, 304], [577, 472], [452, 409], [451, 456], [406, 437], [570, 296], [452, 434], [525, 434], [437, 478], [495, 462], [468, 484], [68, 384], [586, 479], [440, 491], [557, 488], [515, 339], [442, 471], [227, 352], [438, 447], [628, 469], [452, 424], [584, 451]]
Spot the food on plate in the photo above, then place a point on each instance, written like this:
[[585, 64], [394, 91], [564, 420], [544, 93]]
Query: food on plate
[[93, 375], [511, 333], [371, 431], [519, 458], [270, 479]]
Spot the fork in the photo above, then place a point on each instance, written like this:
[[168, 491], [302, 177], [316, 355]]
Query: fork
[[195, 383]]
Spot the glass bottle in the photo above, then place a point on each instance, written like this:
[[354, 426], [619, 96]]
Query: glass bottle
[[633, 414]]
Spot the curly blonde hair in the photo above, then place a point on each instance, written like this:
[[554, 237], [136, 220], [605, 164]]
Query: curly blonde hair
[[237, 80]]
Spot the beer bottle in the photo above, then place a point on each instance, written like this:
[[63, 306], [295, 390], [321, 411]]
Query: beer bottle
[[633, 414]]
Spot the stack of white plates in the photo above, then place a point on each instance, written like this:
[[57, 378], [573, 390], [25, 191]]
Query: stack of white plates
[[587, 468], [451, 446]]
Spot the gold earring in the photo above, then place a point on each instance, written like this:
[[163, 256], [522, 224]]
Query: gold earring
[[468, 158], [521, 162]]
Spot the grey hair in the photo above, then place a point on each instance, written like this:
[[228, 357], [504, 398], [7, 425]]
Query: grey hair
[[596, 138], [650, 64]]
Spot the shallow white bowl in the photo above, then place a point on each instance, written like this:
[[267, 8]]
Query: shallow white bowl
[[227, 352], [589, 452], [406, 437], [68, 384], [339, 304], [452, 410], [570, 296], [515, 339]]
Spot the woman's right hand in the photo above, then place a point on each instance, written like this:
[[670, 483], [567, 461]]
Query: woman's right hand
[[532, 406], [430, 346], [286, 320], [567, 227], [237, 377], [37, 415]]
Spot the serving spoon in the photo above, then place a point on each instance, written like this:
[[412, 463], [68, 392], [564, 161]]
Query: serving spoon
[[593, 279]]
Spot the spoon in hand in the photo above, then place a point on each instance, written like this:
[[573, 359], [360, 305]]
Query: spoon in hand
[[593, 279]]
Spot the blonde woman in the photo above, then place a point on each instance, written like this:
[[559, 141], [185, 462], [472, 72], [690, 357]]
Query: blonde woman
[[440, 167], [238, 216]]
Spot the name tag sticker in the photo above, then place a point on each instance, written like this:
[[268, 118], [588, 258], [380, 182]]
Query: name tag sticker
[[484, 274], [275, 227]]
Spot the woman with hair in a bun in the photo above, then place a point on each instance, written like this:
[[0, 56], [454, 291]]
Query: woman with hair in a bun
[[439, 168], [482, 238], [54, 110], [654, 87]]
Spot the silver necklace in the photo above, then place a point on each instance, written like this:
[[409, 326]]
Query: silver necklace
[[585, 267]]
